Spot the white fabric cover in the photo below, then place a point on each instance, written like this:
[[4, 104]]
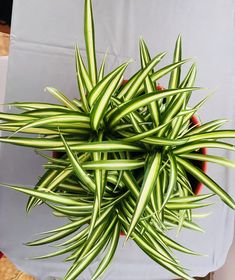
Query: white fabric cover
[[44, 33]]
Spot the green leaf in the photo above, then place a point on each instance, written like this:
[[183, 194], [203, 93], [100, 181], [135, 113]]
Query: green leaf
[[104, 230], [69, 248], [82, 72], [188, 147], [100, 106], [158, 74], [164, 250], [100, 88], [207, 181], [104, 146], [43, 195], [172, 178], [47, 177], [74, 121], [15, 117], [112, 164], [155, 255], [188, 199], [31, 130], [48, 112], [174, 220], [89, 35], [160, 141], [95, 214], [79, 266], [60, 178], [129, 137], [140, 136], [101, 72], [158, 252], [133, 186], [127, 86], [206, 127], [62, 98], [104, 215], [80, 82], [166, 240], [35, 106], [135, 124], [210, 158], [149, 85], [167, 69], [52, 238], [212, 135], [35, 142], [138, 102], [100, 182], [175, 74], [149, 181], [75, 224], [77, 211], [182, 206], [82, 175], [139, 80], [178, 103], [109, 255]]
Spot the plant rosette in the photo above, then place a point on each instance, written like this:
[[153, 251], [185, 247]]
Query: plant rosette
[[195, 184], [128, 152]]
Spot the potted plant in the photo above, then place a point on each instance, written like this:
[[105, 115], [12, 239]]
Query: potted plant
[[127, 153]]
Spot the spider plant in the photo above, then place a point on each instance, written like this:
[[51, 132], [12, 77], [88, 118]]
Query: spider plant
[[126, 152]]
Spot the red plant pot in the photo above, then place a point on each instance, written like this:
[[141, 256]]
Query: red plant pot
[[201, 164]]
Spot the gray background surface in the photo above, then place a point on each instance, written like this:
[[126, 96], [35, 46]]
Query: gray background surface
[[42, 54]]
